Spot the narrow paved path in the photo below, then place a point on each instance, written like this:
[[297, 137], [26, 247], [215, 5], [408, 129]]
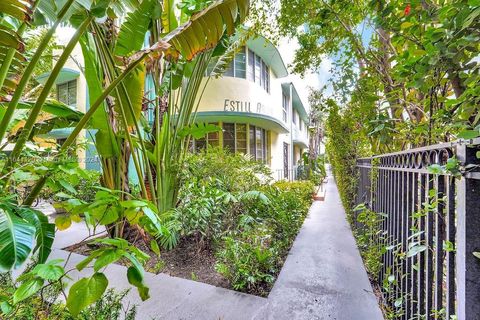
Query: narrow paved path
[[323, 276]]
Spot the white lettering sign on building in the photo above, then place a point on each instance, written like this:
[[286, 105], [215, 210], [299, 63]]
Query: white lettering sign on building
[[243, 106]]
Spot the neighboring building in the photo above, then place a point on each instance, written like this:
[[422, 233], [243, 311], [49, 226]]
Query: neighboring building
[[259, 114], [71, 89]]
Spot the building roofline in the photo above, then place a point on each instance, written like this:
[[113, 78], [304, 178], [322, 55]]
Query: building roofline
[[296, 100], [65, 75], [270, 54]]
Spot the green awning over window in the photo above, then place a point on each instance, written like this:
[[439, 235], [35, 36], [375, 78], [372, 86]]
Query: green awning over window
[[260, 120], [65, 75]]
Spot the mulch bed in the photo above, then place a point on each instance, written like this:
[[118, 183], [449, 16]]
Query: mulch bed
[[187, 260]]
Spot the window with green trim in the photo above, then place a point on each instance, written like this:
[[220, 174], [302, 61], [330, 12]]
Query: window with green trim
[[67, 93], [248, 65]]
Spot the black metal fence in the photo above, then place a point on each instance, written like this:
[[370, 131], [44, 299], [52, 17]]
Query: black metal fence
[[429, 228]]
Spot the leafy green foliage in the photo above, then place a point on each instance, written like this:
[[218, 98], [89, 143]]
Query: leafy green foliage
[[342, 153], [416, 69], [252, 252], [312, 169], [249, 260], [203, 209], [108, 307], [16, 236], [369, 238], [228, 205], [85, 292], [27, 289], [111, 251], [132, 31], [214, 183]]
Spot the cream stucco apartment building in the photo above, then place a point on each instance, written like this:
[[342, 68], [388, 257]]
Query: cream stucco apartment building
[[260, 113]]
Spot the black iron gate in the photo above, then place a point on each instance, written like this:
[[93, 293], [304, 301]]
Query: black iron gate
[[429, 199]]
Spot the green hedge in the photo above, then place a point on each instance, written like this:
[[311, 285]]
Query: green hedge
[[252, 255]]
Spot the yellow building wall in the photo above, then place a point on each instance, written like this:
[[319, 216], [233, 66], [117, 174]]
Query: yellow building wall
[[297, 153], [241, 95]]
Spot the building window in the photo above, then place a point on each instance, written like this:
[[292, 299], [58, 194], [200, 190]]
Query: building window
[[265, 82], [212, 139], [285, 107], [294, 116], [251, 66], [237, 67], [235, 140], [247, 65], [230, 71], [241, 138], [229, 136], [252, 139], [67, 93], [258, 71], [200, 144], [240, 64], [61, 141], [258, 143], [300, 123]]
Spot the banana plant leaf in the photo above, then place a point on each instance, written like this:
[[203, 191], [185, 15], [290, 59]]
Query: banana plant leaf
[[15, 8], [135, 86], [132, 31], [64, 117], [106, 143], [169, 21], [16, 238], [10, 39], [207, 27], [198, 130], [55, 108]]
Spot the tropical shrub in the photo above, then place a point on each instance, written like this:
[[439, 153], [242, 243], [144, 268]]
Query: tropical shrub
[[312, 169], [342, 149], [228, 204], [369, 238], [233, 172], [248, 259], [214, 184], [252, 254], [292, 201], [202, 209], [71, 181], [46, 305]]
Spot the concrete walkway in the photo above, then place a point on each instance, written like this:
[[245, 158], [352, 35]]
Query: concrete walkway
[[322, 278]]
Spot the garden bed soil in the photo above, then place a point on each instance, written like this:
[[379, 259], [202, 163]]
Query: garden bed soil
[[186, 261]]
